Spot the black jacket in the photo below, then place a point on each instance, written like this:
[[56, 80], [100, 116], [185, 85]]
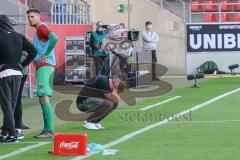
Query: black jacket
[[11, 46]]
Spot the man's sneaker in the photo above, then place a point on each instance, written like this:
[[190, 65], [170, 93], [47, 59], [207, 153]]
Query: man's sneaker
[[19, 133], [10, 139], [98, 125], [89, 125], [45, 134]]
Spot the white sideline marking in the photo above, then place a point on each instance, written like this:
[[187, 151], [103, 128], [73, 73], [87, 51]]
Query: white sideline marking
[[160, 103], [140, 131], [213, 121], [24, 149], [21, 143]]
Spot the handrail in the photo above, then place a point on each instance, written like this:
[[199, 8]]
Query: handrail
[[64, 13]]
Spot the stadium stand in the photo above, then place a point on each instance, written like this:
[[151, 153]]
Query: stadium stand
[[220, 11], [203, 11], [237, 5], [211, 6], [209, 17], [196, 6], [226, 17], [225, 5], [236, 17]]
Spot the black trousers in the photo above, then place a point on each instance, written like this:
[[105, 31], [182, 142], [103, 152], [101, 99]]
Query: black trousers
[[9, 89], [154, 62], [101, 108], [18, 109]]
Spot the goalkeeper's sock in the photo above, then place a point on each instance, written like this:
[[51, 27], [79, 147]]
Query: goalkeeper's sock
[[47, 117]]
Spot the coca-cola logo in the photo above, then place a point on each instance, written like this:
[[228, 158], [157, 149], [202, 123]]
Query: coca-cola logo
[[69, 145]]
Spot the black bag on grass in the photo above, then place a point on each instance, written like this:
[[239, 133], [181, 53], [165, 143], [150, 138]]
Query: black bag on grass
[[208, 67]]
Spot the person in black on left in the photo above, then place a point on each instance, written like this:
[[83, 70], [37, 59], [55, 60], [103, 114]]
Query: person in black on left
[[11, 47]]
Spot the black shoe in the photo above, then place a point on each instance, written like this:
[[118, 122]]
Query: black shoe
[[45, 134], [19, 134], [10, 139], [2, 138], [4, 132], [25, 127]]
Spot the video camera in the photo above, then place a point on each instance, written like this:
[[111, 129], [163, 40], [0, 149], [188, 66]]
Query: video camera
[[116, 32], [119, 39]]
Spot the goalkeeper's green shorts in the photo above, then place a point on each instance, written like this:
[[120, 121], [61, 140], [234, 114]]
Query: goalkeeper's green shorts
[[44, 78]]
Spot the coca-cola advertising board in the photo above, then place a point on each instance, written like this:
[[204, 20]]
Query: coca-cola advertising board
[[70, 144]]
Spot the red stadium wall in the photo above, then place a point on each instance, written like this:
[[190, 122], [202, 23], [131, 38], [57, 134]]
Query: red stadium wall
[[62, 31]]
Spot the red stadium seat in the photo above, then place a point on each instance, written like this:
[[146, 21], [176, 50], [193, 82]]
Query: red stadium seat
[[225, 6], [236, 17], [208, 17], [196, 6], [226, 17], [236, 6], [211, 6]]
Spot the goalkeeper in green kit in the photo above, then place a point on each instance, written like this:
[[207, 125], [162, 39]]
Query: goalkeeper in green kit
[[44, 41]]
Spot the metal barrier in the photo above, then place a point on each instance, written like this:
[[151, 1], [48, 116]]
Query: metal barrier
[[63, 13], [198, 16]]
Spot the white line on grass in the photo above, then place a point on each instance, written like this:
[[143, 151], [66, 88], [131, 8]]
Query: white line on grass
[[210, 121], [160, 103], [21, 143], [22, 150], [140, 131]]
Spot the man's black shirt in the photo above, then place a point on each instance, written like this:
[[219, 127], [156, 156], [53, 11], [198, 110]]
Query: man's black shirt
[[95, 89], [11, 46]]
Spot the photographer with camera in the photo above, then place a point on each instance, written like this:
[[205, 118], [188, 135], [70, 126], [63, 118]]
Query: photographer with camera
[[100, 57], [119, 44]]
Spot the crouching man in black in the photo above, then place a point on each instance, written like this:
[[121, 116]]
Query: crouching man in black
[[100, 98]]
